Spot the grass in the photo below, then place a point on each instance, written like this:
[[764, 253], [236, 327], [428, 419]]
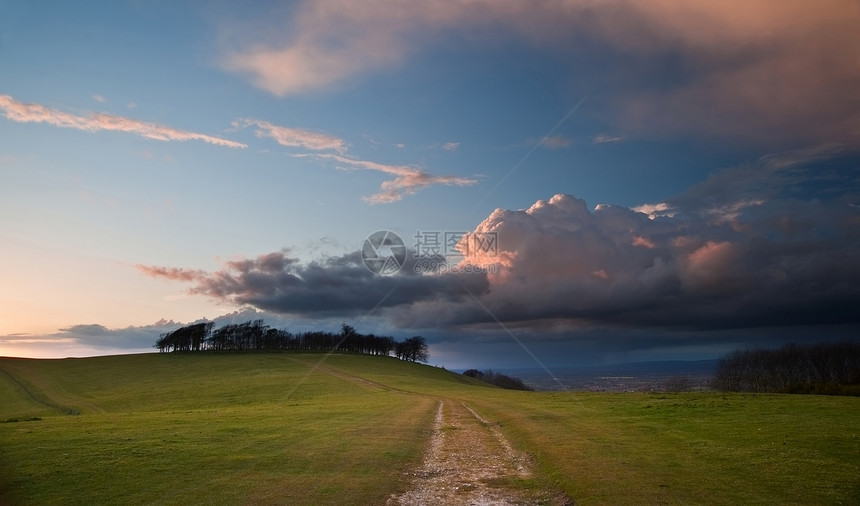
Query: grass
[[346, 429], [691, 448]]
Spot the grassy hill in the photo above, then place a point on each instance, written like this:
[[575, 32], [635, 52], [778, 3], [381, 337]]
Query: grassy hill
[[296, 428]]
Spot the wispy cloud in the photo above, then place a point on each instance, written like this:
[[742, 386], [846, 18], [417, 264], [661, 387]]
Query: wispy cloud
[[407, 179], [99, 98], [294, 137], [555, 142], [451, 146], [36, 113], [604, 139], [170, 273]]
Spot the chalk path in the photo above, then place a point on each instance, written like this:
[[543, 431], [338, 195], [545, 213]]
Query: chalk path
[[469, 462]]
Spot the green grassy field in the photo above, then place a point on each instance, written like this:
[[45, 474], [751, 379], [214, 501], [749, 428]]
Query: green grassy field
[[346, 429]]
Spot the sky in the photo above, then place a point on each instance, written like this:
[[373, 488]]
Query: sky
[[573, 182]]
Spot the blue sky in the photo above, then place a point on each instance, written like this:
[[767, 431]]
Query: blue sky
[[666, 179]]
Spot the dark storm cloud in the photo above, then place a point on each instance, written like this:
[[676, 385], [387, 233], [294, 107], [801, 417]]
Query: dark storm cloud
[[330, 287], [771, 243]]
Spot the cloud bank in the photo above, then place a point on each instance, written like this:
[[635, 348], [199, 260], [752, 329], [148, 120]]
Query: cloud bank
[[35, 113], [85, 340], [337, 286], [95, 339], [773, 243], [772, 71]]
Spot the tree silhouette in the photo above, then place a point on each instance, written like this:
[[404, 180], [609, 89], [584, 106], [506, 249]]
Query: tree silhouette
[[256, 336], [414, 349], [498, 379], [826, 368]]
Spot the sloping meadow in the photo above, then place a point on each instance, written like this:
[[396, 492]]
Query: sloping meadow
[[305, 428]]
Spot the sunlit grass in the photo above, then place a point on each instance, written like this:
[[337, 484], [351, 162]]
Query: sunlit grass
[[690, 448], [224, 429], [346, 429]]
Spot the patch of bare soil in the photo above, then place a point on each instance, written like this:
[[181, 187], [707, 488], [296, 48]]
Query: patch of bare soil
[[469, 462]]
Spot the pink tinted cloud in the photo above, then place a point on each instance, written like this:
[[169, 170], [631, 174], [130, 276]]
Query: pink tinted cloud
[[407, 179], [555, 142], [643, 242], [36, 113], [333, 41], [711, 268], [766, 71], [790, 260], [172, 273], [762, 71], [295, 137], [560, 264]]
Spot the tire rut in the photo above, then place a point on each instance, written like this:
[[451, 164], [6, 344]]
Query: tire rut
[[44, 400], [469, 462]]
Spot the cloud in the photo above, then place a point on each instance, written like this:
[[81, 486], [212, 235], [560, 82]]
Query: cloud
[[655, 210], [772, 71], [332, 41], [95, 339], [100, 99], [35, 113], [725, 194], [86, 340], [294, 137], [451, 146], [769, 244], [604, 139], [174, 273], [766, 244], [336, 286], [407, 179], [555, 142]]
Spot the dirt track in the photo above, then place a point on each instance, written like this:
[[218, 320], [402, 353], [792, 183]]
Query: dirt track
[[469, 462]]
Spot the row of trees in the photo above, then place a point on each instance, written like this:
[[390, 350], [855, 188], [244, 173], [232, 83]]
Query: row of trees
[[828, 368], [498, 379], [256, 336]]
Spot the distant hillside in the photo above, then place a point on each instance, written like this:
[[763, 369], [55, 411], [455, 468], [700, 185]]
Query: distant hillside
[[623, 377]]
